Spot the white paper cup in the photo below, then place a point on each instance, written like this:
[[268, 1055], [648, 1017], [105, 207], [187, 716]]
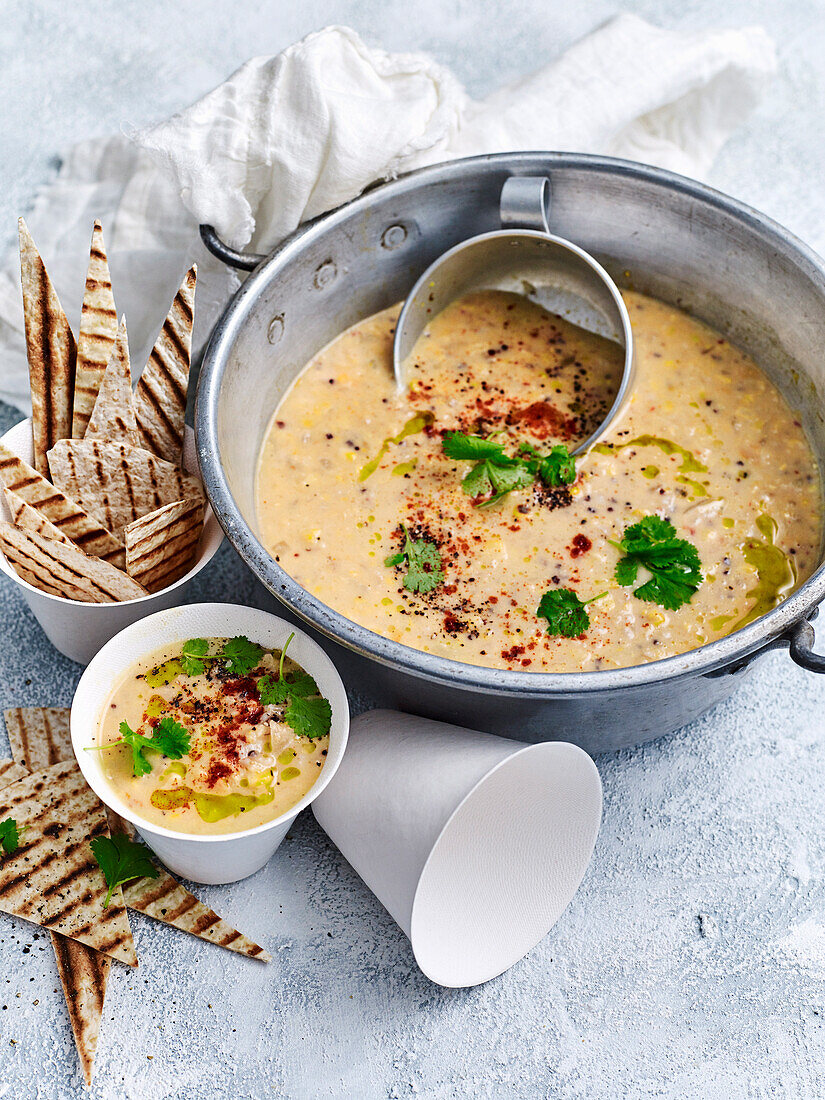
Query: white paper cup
[[475, 844], [218, 858], [78, 630]]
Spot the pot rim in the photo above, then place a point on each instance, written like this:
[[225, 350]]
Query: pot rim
[[395, 655]]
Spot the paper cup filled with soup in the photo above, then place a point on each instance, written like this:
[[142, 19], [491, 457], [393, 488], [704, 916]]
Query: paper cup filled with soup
[[209, 728]]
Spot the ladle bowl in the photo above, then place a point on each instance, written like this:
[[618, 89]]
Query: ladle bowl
[[525, 258]]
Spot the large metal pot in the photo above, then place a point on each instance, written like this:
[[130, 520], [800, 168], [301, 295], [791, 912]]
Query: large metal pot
[[654, 231]]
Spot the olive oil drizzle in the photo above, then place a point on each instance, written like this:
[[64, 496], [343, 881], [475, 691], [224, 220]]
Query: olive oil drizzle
[[698, 487], [210, 807], [690, 463], [776, 573], [404, 468], [413, 426]]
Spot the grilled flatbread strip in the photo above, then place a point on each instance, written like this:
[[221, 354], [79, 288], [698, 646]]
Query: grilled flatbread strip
[[96, 339], [53, 879], [165, 899], [161, 547], [36, 568], [160, 396], [61, 568], [10, 772], [39, 736], [113, 417], [83, 529], [51, 352], [115, 482], [84, 973], [28, 519]]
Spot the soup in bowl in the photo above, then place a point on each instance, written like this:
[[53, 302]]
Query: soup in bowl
[[182, 725], [451, 517]]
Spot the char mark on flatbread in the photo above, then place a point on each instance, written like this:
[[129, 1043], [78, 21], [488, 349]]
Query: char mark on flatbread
[[113, 417], [52, 879], [83, 529], [98, 329], [62, 569], [117, 483], [160, 396], [166, 900], [10, 772], [51, 351], [29, 519], [84, 973], [39, 736], [161, 547]]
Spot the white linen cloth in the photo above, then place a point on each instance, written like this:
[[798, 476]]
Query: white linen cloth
[[289, 137]]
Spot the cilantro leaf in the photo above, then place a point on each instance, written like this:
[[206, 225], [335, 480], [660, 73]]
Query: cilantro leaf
[[565, 612], [504, 479], [121, 860], [668, 591], [673, 563], [190, 656], [423, 561], [477, 483], [308, 712], [470, 447], [557, 468], [241, 655], [652, 531], [423, 567], [137, 743], [168, 737], [10, 835], [274, 691], [626, 570], [496, 474], [309, 716], [301, 684]]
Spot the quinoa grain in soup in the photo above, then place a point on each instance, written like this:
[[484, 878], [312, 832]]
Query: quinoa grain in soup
[[453, 519], [214, 736]]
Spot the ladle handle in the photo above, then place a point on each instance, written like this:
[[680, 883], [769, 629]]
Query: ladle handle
[[525, 203], [243, 261]]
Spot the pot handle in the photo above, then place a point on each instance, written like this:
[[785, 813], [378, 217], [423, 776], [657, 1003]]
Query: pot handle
[[525, 203], [242, 261], [801, 638]]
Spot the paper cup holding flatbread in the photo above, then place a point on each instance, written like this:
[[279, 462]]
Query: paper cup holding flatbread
[[79, 629]]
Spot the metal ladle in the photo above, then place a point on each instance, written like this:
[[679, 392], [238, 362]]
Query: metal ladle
[[523, 256]]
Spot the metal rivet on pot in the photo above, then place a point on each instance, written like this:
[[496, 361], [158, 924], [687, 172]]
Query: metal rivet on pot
[[276, 328], [325, 274], [393, 237]]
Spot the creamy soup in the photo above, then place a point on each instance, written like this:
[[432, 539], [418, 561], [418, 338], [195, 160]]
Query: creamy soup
[[214, 736], [353, 477]]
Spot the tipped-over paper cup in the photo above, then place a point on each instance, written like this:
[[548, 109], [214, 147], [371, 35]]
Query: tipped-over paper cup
[[77, 629], [215, 857], [475, 844]]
